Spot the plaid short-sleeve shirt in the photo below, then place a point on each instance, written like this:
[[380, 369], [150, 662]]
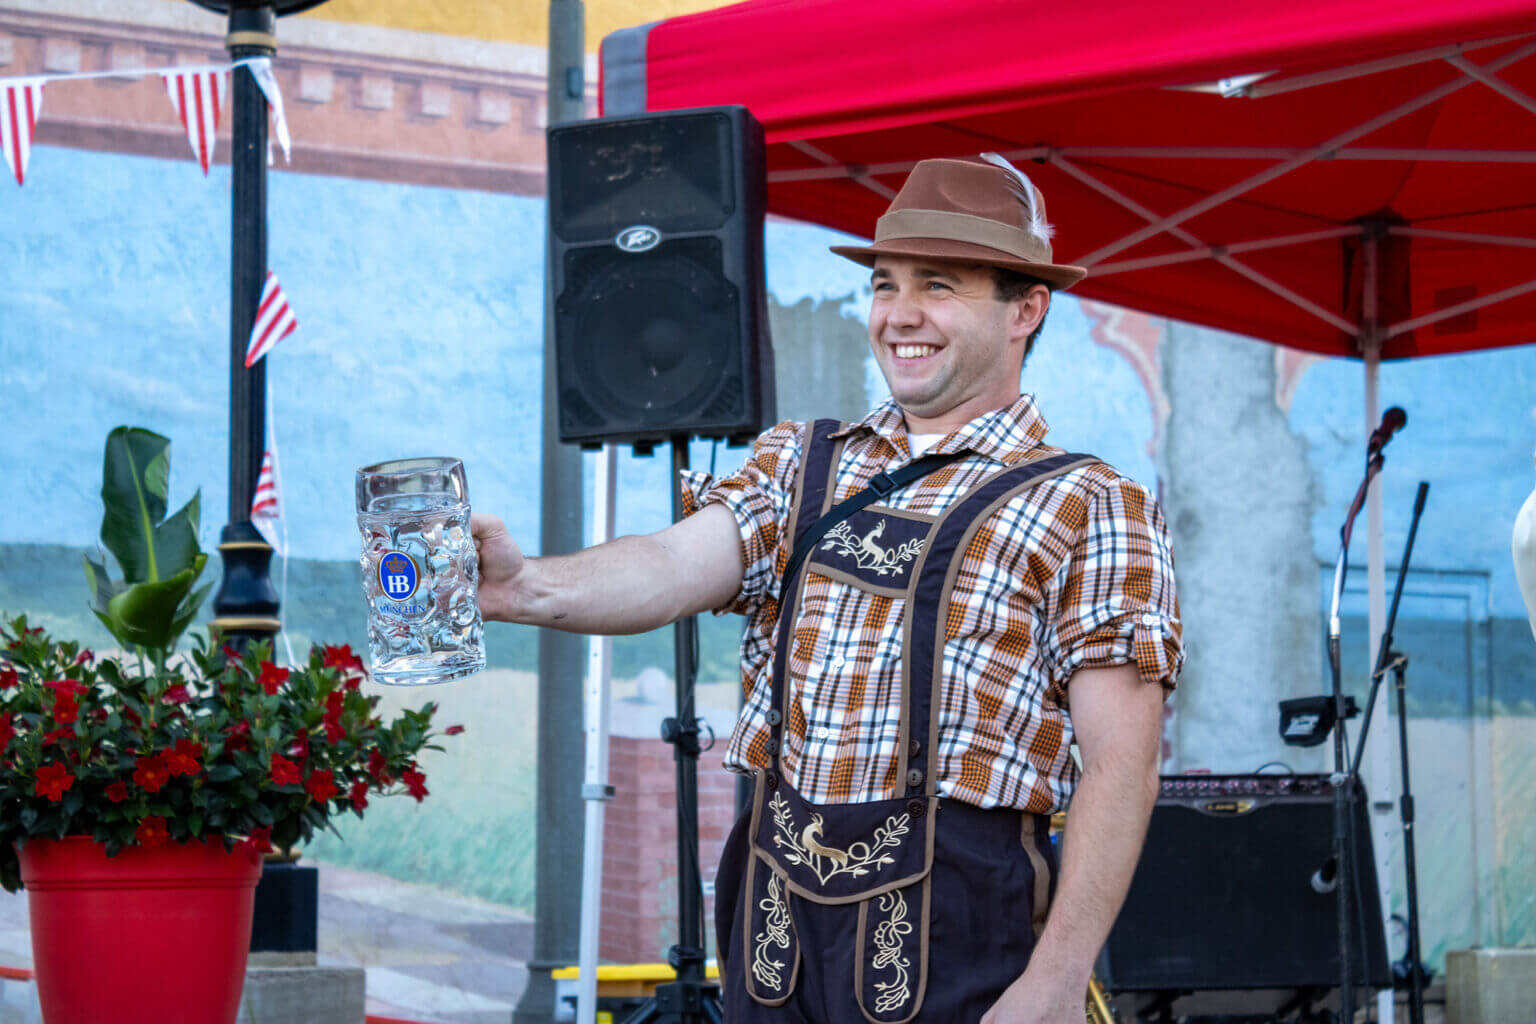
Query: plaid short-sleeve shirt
[[1075, 573]]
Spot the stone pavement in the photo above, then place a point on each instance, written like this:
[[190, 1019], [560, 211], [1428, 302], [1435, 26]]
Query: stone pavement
[[430, 955]]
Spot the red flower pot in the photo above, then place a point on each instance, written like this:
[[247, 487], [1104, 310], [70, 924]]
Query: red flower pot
[[148, 936]]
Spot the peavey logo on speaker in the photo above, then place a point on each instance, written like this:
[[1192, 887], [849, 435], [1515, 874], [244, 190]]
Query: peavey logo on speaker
[[638, 238]]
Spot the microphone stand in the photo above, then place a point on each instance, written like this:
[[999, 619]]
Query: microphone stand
[[1388, 660], [1343, 788]]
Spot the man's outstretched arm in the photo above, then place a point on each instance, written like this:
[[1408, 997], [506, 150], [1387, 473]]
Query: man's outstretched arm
[[629, 585], [1117, 719]]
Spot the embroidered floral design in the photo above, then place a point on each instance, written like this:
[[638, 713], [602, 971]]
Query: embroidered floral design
[[890, 936], [775, 934], [868, 553], [828, 861]]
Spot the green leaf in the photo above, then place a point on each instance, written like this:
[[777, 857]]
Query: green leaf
[[145, 613], [187, 610], [136, 469], [103, 586], [176, 538]]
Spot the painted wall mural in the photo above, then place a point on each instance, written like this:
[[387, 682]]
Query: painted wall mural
[[407, 231]]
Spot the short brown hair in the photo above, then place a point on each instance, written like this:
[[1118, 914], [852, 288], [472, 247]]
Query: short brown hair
[[1010, 285]]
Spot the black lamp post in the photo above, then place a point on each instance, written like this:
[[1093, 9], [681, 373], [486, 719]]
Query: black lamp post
[[246, 606]]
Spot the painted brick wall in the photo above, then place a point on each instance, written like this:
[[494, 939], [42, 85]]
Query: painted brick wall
[[640, 847]]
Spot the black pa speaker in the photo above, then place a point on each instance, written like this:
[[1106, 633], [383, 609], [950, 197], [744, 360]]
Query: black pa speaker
[[1226, 894], [661, 325]]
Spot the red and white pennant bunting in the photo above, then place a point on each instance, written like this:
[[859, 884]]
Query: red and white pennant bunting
[[267, 505], [19, 106], [198, 96], [274, 321]]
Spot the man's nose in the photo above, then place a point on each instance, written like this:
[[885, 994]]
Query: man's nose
[[905, 311]]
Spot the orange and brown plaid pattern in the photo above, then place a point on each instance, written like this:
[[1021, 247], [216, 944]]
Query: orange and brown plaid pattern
[[1076, 573]]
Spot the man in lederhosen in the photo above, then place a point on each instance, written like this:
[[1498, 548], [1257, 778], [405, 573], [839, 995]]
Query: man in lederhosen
[[927, 593]]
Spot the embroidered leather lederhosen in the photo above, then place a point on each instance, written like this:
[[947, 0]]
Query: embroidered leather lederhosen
[[907, 904]]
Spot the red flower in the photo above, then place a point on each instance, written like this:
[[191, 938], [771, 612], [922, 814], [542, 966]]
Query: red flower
[[259, 840], [178, 694], [272, 677], [100, 714], [117, 792], [321, 785], [58, 735], [183, 760], [238, 736], [69, 686], [84, 657], [284, 771], [299, 748], [334, 702], [230, 655], [65, 709], [453, 730], [7, 730], [52, 781], [334, 733], [359, 795], [342, 657], [415, 782], [151, 773], [378, 767], [151, 832], [133, 716], [8, 677]]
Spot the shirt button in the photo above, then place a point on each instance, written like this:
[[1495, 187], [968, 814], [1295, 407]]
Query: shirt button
[[1149, 620], [838, 661]]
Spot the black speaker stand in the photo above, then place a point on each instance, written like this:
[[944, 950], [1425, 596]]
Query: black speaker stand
[[690, 999]]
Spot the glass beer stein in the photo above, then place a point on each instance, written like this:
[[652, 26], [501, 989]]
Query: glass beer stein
[[419, 571]]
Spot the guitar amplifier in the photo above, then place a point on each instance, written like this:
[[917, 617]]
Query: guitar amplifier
[[1226, 894]]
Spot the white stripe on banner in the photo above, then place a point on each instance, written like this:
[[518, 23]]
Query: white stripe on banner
[[198, 97], [19, 106], [261, 70], [274, 321]]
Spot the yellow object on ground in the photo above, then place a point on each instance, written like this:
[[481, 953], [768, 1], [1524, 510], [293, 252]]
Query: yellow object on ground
[[629, 979]]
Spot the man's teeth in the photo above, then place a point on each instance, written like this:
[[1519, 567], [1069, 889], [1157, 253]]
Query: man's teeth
[[914, 351]]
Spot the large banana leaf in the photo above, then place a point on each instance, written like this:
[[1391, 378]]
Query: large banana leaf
[[135, 479], [160, 557]]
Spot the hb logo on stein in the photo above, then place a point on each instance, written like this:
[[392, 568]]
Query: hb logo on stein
[[397, 576]]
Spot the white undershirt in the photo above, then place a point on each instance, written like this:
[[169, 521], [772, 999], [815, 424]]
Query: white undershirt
[[920, 443]]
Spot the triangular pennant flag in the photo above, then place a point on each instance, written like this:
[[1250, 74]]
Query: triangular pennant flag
[[261, 70], [20, 103], [267, 504], [274, 321], [198, 96]]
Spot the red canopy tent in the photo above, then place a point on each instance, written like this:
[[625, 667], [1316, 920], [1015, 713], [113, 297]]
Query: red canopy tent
[[1330, 175]]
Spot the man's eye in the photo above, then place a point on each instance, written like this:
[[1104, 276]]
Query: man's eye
[[938, 285]]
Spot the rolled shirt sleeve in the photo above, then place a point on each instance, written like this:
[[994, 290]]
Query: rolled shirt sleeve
[[1117, 602], [759, 495]]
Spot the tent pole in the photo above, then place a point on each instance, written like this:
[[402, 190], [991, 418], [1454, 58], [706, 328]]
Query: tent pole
[[1378, 768]]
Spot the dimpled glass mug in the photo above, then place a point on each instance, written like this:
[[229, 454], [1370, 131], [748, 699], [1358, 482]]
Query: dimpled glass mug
[[420, 571]]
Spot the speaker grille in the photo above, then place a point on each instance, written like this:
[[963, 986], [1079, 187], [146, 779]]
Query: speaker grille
[[673, 174], [653, 340]]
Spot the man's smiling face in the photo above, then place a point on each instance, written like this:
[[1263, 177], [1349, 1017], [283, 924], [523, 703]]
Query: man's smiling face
[[949, 348]]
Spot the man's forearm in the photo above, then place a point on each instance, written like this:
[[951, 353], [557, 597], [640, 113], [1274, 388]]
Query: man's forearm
[[627, 585], [1105, 828]]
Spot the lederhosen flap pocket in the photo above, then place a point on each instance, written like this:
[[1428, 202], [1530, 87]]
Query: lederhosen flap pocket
[[855, 853], [877, 855]]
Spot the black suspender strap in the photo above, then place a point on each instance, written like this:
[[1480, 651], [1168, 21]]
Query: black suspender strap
[[879, 487]]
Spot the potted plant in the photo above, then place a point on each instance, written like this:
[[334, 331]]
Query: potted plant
[[139, 789]]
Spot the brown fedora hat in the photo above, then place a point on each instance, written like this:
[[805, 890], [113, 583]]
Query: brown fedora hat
[[970, 212]]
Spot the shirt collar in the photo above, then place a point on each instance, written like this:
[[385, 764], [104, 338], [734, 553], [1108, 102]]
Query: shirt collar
[[1006, 434]]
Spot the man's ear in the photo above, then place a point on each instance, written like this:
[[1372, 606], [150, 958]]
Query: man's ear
[[1025, 314]]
